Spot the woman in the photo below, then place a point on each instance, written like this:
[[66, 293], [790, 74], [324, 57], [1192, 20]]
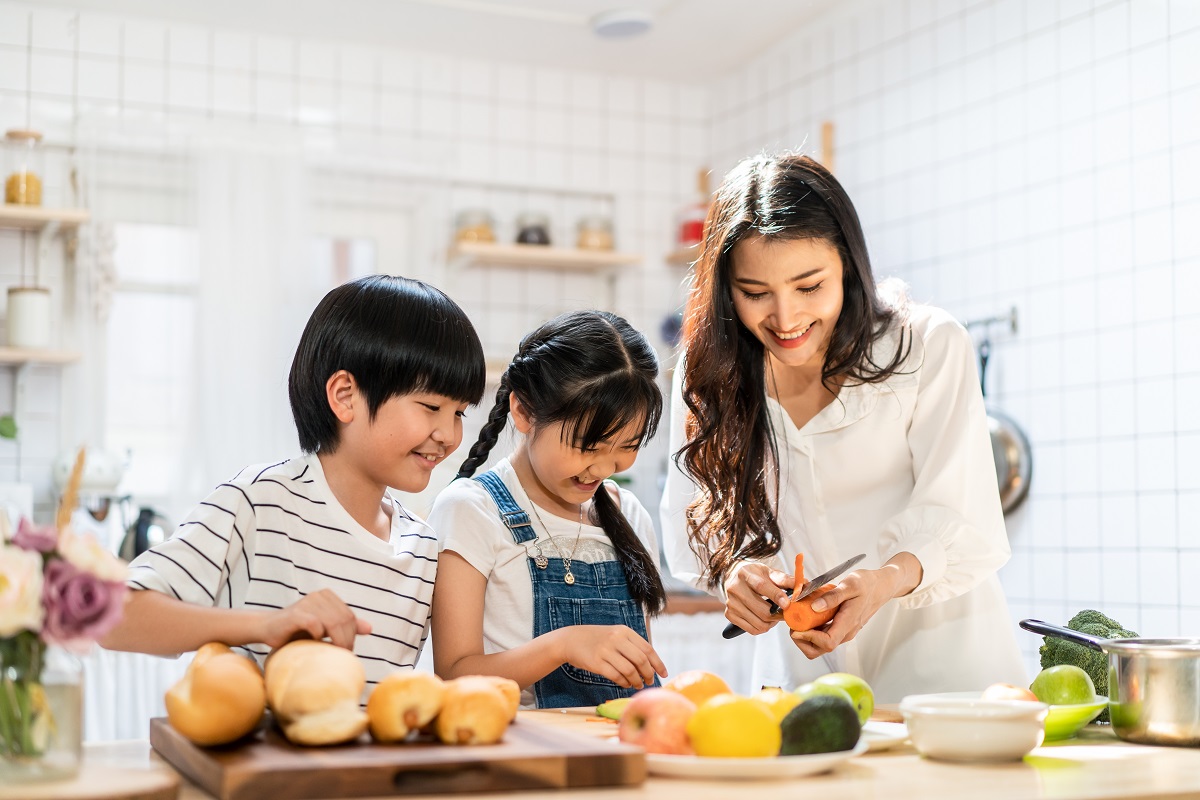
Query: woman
[[816, 413]]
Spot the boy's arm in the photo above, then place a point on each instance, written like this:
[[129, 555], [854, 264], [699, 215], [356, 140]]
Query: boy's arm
[[160, 625]]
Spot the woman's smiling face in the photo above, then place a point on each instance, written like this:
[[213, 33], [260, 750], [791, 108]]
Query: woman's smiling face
[[788, 293]]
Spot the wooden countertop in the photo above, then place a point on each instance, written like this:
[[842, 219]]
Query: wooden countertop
[[1093, 766]]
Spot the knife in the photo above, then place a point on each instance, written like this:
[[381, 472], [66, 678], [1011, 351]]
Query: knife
[[732, 630]]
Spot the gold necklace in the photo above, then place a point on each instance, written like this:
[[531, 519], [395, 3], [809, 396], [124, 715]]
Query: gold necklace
[[540, 560]]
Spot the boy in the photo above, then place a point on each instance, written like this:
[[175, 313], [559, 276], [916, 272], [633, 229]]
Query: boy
[[316, 546]]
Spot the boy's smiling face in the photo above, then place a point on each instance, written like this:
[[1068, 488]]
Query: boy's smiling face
[[409, 436]]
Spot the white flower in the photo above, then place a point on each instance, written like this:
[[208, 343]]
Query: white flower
[[87, 554], [20, 590]]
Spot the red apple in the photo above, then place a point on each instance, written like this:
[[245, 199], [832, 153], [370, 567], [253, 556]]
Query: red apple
[[1006, 691], [656, 720]]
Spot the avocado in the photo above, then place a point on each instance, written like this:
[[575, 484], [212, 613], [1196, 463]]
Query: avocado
[[612, 709], [821, 724]]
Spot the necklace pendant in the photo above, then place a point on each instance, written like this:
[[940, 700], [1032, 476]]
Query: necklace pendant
[[541, 561], [569, 579]]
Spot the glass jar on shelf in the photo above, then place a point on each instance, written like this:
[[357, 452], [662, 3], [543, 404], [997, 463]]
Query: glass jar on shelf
[[24, 165], [533, 228], [595, 233], [474, 225]]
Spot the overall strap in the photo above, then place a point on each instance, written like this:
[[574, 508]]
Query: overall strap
[[511, 514]]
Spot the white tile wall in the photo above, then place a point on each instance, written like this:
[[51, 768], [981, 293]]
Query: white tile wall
[[1044, 155]]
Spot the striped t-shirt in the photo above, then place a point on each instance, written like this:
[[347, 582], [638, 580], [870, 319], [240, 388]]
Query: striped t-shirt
[[275, 533]]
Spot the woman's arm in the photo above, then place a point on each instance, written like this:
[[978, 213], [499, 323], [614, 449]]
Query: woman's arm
[[614, 651]]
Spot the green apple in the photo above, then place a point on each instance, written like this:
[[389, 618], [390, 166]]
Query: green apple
[[861, 696], [1063, 684], [815, 689]]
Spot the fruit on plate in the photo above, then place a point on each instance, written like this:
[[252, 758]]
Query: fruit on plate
[[799, 615], [780, 701], [859, 690], [812, 689], [1063, 684], [657, 721], [730, 726], [698, 685], [1006, 691], [822, 724], [612, 709]]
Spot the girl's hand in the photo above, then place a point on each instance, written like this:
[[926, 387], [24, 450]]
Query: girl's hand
[[749, 591], [318, 615], [858, 597], [617, 652]]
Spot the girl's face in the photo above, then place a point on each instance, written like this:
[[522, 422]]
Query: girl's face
[[409, 436], [788, 293], [558, 474]]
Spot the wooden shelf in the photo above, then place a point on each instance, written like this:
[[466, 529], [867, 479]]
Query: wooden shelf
[[34, 218], [25, 355], [684, 256], [531, 255]]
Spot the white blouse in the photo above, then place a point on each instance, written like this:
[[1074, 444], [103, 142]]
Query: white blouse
[[902, 465]]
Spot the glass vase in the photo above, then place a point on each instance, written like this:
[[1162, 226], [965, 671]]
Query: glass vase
[[41, 711]]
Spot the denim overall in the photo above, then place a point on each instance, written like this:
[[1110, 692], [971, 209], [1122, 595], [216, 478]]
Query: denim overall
[[599, 596]]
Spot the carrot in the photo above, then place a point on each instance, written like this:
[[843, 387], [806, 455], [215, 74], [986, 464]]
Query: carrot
[[799, 615]]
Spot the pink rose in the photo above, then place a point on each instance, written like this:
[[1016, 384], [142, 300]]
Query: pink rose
[[80, 608], [43, 539]]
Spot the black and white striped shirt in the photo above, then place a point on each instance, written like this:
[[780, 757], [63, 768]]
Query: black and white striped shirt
[[275, 533]]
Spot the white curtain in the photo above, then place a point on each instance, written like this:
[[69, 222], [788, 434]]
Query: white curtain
[[256, 292]]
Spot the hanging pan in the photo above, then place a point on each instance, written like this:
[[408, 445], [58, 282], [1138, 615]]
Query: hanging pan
[[1010, 447]]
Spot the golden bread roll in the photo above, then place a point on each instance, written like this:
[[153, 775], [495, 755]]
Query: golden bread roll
[[508, 687], [404, 702], [474, 711], [313, 689], [220, 698]]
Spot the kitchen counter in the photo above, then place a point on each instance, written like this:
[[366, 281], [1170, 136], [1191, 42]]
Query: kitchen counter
[[1094, 765]]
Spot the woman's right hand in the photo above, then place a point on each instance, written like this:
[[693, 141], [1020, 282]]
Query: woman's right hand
[[749, 591], [617, 652], [319, 615]]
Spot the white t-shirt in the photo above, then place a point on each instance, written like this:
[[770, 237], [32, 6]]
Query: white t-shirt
[[468, 522], [902, 465], [275, 533]]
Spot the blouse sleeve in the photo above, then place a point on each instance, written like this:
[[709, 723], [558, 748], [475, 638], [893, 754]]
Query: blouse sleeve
[[954, 524], [677, 495], [211, 544], [465, 520]]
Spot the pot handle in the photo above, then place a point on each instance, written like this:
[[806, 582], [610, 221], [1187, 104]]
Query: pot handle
[[1046, 629]]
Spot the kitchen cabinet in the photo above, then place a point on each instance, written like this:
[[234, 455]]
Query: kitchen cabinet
[[1094, 765]]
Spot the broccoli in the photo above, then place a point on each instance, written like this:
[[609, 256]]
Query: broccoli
[[1093, 662]]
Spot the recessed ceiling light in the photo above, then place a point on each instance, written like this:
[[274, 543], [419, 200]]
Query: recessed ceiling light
[[622, 23]]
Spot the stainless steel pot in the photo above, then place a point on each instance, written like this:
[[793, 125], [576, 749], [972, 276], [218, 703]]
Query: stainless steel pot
[[1010, 447], [1153, 684]]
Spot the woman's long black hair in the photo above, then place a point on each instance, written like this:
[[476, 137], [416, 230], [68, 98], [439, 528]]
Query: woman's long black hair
[[593, 372]]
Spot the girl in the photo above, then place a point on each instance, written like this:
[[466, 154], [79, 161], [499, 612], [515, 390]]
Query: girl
[[564, 560], [817, 414]]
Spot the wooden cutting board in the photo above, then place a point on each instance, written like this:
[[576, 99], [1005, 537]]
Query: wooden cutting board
[[531, 756]]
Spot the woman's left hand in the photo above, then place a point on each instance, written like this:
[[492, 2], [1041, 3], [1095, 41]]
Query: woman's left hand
[[858, 597]]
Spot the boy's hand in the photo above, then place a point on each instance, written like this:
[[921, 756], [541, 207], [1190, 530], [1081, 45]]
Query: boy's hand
[[617, 652], [320, 615]]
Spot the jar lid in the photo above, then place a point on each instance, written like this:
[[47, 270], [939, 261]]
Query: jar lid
[[532, 218], [595, 222], [17, 134]]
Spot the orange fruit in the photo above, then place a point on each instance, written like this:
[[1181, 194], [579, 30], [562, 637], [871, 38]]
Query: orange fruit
[[698, 685]]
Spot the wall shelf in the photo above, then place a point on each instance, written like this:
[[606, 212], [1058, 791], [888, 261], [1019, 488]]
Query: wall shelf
[[35, 218], [684, 256], [539, 256], [10, 356]]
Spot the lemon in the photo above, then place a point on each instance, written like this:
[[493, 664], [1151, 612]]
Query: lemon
[[730, 726], [778, 700]]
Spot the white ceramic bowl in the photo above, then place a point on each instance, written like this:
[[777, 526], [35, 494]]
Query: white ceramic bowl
[[959, 726]]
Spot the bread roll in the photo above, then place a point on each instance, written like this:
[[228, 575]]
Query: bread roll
[[220, 698], [313, 689], [474, 711], [404, 702], [508, 687]]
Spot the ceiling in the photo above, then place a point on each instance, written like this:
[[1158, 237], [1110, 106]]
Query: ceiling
[[690, 41]]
